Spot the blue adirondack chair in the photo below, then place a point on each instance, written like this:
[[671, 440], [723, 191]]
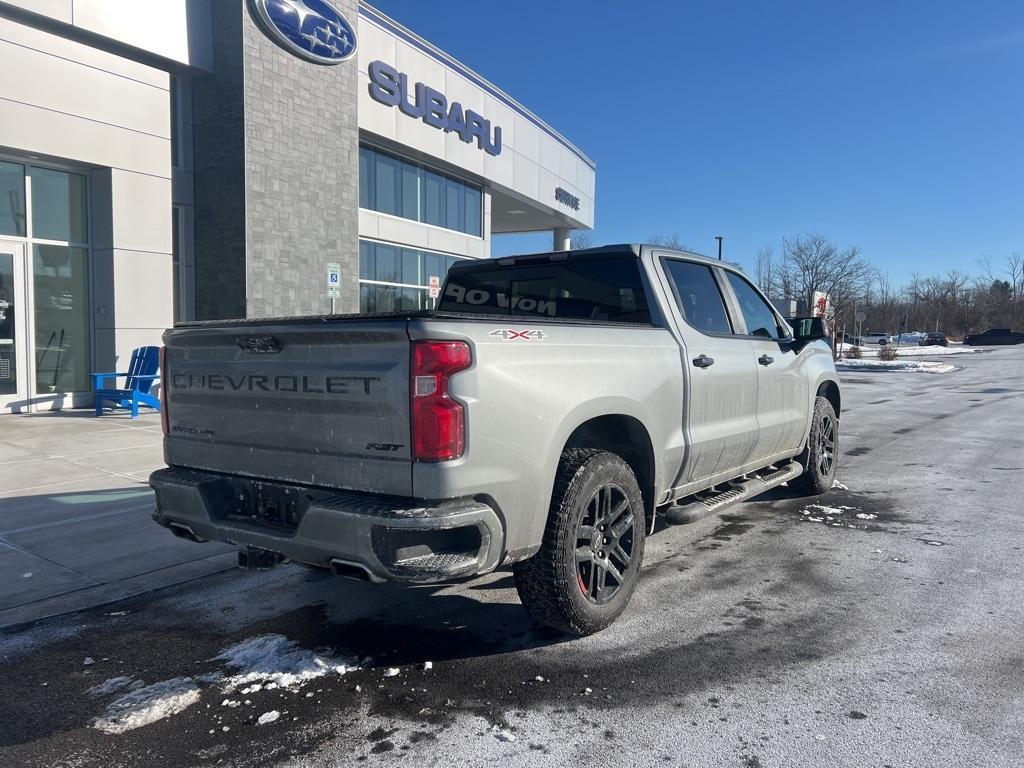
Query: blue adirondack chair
[[142, 371]]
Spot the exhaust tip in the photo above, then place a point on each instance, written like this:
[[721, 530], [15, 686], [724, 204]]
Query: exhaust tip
[[182, 531]]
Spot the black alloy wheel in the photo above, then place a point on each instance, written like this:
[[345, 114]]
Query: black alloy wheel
[[604, 544], [826, 444]]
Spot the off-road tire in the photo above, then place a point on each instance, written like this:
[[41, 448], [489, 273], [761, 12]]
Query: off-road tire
[[815, 479], [549, 583]]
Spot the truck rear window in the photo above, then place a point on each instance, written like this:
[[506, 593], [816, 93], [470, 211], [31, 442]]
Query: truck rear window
[[608, 289]]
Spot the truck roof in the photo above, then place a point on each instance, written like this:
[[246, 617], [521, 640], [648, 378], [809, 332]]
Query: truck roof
[[636, 249]]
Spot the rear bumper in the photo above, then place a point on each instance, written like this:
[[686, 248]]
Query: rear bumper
[[389, 538]]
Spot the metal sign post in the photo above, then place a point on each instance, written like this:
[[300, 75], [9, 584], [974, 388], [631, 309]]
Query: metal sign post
[[434, 288], [333, 282]]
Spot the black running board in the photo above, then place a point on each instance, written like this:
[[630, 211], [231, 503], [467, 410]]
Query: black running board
[[739, 490]]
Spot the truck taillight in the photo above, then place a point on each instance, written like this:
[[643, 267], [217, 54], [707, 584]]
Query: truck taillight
[[438, 421], [163, 389]]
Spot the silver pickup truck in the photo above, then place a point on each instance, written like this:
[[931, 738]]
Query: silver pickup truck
[[539, 418]]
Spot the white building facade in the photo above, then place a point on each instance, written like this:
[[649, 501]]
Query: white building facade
[[188, 160]]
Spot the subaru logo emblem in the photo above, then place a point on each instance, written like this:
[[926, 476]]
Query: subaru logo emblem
[[312, 29]]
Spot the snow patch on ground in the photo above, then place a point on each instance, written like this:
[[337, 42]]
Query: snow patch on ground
[[266, 662], [501, 734], [903, 350], [897, 365], [834, 516], [115, 684], [150, 703], [268, 717], [274, 661]]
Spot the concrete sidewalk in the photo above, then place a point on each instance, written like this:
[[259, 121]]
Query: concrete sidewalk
[[75, 506]]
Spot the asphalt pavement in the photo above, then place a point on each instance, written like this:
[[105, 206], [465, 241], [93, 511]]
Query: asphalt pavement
[[878, 625]]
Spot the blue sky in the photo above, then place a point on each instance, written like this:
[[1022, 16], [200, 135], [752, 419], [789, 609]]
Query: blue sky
[[898, 127]]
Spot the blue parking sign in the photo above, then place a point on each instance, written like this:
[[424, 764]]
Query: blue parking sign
[[333, 275]]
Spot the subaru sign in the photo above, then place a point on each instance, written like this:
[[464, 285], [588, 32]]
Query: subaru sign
[[312, 29], [391, 88]]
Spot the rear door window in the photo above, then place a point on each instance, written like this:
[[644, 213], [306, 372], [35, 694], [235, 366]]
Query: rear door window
[[607, 289], [698, 296]]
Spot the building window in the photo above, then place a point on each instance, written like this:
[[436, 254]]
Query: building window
[[48, 210], [176, 261], [59, 240], [397, 279], [182, 263], [58, 206], [175, 123], [12, 199], [180, 93], [389, 184], [60, 287]]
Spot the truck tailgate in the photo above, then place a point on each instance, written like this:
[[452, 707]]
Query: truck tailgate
[[317, 402]]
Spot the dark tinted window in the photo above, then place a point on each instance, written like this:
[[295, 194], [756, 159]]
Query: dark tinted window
[[608, 289], [699, 299], [404, 188], [757, 314]]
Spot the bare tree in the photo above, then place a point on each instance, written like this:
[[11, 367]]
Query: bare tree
[[1015, 271], [813, 263], [669, 241], [985, 266], [580, 239], [997, 297], [765, 275]]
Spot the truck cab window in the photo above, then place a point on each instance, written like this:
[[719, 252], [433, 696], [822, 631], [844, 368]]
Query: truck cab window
[[605, 289], [698, 296], [759, 317]]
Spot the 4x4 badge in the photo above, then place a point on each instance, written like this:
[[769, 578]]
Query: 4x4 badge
[[510, 334]]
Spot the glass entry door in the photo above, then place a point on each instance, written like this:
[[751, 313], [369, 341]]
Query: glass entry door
[[14, 369]]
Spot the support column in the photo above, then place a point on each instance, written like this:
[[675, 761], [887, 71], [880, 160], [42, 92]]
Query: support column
[[262, 241], [562, 239]]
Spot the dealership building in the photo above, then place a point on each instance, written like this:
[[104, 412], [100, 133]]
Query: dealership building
[[209, 159]]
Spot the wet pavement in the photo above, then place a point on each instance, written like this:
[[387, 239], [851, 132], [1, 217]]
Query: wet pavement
[[878, 625]]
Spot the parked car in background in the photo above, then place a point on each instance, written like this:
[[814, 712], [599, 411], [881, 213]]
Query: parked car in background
[[994, 336], [912, 337], [877, 338], [849, 338], [934, 340]]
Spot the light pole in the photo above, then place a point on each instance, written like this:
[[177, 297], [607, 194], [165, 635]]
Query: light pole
[[719, 238]]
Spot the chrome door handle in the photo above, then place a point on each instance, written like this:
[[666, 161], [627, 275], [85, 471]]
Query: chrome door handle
[[703, 361], [766, 360]]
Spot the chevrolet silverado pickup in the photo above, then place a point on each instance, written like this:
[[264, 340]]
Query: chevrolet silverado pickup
[[538, 418]]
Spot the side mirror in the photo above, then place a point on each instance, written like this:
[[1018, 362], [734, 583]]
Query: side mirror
[[808, 328]]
